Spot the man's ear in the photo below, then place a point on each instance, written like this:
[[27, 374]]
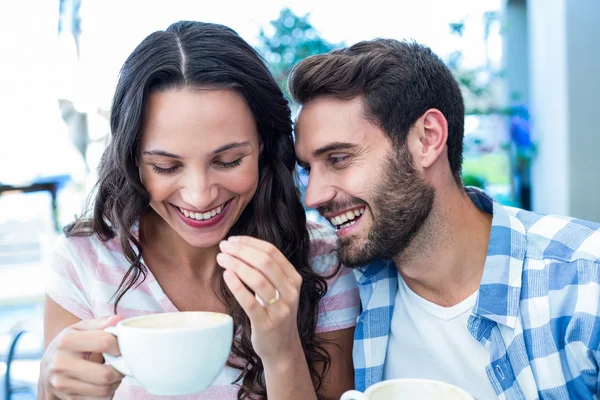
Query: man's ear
[[431, 132]]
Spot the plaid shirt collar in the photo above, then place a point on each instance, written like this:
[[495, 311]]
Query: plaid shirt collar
[[537, 309], [507, 237], [500, 288], [498, 298]]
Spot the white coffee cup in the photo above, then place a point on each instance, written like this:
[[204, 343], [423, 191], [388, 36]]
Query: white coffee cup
[[173, 354], [408, 389]]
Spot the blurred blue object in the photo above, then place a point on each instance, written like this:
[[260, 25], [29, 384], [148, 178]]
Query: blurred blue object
[[39, 157], [21, 370], [520, 127], [51, 184]]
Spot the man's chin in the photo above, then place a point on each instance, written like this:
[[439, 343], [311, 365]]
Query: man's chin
[[352, 254]]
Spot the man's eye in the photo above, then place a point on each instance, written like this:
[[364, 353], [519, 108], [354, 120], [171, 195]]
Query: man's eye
[[336, 159]]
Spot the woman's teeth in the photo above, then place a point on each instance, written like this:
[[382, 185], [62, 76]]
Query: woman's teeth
[[202, 216], [347, 219]]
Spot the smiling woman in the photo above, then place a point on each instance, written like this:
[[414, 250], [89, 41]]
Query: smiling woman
[[199, 161], [196, 209]]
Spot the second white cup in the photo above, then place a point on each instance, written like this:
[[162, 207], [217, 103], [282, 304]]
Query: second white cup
[[409, 389]]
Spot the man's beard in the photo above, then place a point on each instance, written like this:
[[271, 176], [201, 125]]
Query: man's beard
[[399, 207]]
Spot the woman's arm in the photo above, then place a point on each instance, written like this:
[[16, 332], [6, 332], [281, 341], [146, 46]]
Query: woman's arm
[[290, 379], [340, 376]]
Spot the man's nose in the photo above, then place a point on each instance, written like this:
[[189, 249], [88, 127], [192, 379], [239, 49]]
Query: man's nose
[[318, 191]]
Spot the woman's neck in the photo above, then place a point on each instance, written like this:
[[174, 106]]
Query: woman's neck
[[163, 245]]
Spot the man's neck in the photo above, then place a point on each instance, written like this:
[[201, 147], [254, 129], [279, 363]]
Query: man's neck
[[445, 260]]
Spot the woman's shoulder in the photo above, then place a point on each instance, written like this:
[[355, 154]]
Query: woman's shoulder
[[323, 248], [340, 306], [75, 247], [323, 239], [86, 249]]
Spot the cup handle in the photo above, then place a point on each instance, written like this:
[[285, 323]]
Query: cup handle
[[116, 362], [354, 395]]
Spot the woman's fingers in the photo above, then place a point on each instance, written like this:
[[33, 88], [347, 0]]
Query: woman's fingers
[[257, 259], [69, 388], [247, 301], [86, 371], [69, 373], [96, 324], [253, 278], [265, 248], [76, 341]]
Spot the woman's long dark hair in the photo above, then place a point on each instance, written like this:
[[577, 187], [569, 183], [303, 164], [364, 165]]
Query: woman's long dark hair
[[203, 55]]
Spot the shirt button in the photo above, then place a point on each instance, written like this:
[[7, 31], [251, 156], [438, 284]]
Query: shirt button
[[500, 372]]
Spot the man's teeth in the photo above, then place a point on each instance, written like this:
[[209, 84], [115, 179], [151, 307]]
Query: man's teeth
[[201, 216], [347, 225], [342, 219]]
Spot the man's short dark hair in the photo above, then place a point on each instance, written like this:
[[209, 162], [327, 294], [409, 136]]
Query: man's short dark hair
[[398, 82]]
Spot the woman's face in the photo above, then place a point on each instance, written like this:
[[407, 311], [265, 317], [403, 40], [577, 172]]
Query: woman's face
[[198, 161]]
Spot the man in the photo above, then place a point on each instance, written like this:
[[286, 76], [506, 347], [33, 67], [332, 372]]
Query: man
[[454, 286]]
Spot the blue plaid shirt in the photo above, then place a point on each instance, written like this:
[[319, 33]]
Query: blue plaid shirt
[[537, 311]]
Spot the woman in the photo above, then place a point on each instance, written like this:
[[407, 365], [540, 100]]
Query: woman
[[196, 209]]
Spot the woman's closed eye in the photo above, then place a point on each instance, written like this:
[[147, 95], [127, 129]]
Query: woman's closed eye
[[229, 164], [165, 170]]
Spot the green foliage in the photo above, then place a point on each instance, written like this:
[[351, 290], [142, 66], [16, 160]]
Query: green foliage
[[293, 39], [473, 180], [477, 84]]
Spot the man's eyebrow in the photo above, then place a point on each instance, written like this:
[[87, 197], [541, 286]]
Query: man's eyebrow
[[333, 147]]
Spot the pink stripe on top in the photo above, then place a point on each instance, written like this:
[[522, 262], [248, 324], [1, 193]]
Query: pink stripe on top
[[86, 272]]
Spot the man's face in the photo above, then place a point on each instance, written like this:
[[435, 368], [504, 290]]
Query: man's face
[[367, 188]]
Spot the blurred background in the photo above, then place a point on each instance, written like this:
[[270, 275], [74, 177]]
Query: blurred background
[[528, 70]]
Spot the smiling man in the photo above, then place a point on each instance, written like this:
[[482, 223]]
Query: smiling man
[[454, 286]]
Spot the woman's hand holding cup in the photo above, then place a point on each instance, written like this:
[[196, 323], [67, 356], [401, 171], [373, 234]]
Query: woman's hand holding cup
[[69, 371]]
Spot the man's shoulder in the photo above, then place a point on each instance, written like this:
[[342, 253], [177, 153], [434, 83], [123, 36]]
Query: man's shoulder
[[559, 238]]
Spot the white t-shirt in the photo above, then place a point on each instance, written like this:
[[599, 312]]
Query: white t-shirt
[[433, 342], [85, 272]]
